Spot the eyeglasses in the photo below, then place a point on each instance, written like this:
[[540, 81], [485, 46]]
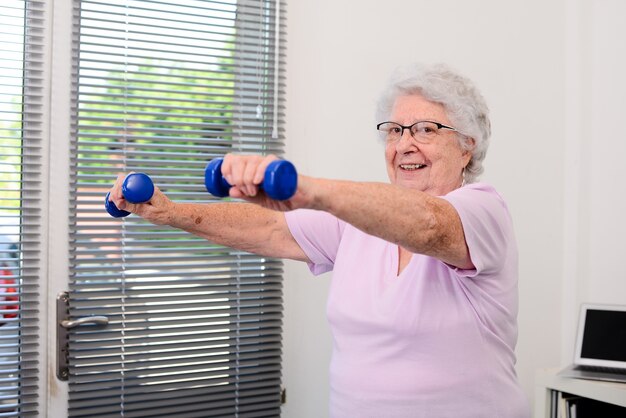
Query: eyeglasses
[[423, 131]]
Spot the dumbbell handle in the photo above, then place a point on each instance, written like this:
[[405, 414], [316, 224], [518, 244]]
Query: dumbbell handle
[[136, 188], [280, 181]]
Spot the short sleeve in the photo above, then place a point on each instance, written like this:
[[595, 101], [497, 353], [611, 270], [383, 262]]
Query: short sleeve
[[318, 234], [487, 226]]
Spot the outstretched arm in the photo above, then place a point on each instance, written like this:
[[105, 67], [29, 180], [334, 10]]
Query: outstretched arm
[[243, 226], [415, 220]]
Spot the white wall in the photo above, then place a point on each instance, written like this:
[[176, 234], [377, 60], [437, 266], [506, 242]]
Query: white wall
[[595, 173], [552, 73]]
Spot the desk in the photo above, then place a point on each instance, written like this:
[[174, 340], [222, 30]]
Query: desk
[[547, 380]]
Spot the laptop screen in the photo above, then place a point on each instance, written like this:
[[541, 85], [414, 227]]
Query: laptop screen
[[603, 339]]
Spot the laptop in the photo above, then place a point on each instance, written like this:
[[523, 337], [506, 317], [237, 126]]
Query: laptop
[[600, 344]]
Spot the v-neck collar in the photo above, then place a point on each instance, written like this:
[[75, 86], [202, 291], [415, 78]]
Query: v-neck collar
[[395, 258]]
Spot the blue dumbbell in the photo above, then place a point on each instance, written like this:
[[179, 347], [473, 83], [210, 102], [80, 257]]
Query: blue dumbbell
[[280, 181], [136, 188]]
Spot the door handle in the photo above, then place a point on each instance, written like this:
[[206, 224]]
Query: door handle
[[63, 326], [85, 320]]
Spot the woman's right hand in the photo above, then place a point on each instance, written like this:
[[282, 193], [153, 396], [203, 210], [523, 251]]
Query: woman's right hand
[[158, 210]]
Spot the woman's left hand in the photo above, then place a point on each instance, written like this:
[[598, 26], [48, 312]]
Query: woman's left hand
[[245, 173]]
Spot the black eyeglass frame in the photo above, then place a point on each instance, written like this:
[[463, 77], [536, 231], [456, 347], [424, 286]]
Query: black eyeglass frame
[[439, 126]]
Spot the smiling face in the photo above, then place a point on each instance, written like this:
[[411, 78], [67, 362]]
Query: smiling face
[[435, 168]]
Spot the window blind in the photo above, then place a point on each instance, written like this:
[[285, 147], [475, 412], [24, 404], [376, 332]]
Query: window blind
[[163, 87], [21, 96]]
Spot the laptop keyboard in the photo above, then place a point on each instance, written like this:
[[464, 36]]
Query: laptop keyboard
[[601, 369]]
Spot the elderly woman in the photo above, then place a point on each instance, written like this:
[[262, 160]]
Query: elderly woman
[[423, 300]]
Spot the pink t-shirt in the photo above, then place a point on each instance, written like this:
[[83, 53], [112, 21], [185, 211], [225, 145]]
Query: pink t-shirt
[[433, 342]]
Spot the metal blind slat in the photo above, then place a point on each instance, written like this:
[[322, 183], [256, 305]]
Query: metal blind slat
[[214, 341], [120, 387], [199, 396], [104, 395]]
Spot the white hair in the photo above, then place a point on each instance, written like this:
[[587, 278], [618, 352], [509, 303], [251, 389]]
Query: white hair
[[465, 106]]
